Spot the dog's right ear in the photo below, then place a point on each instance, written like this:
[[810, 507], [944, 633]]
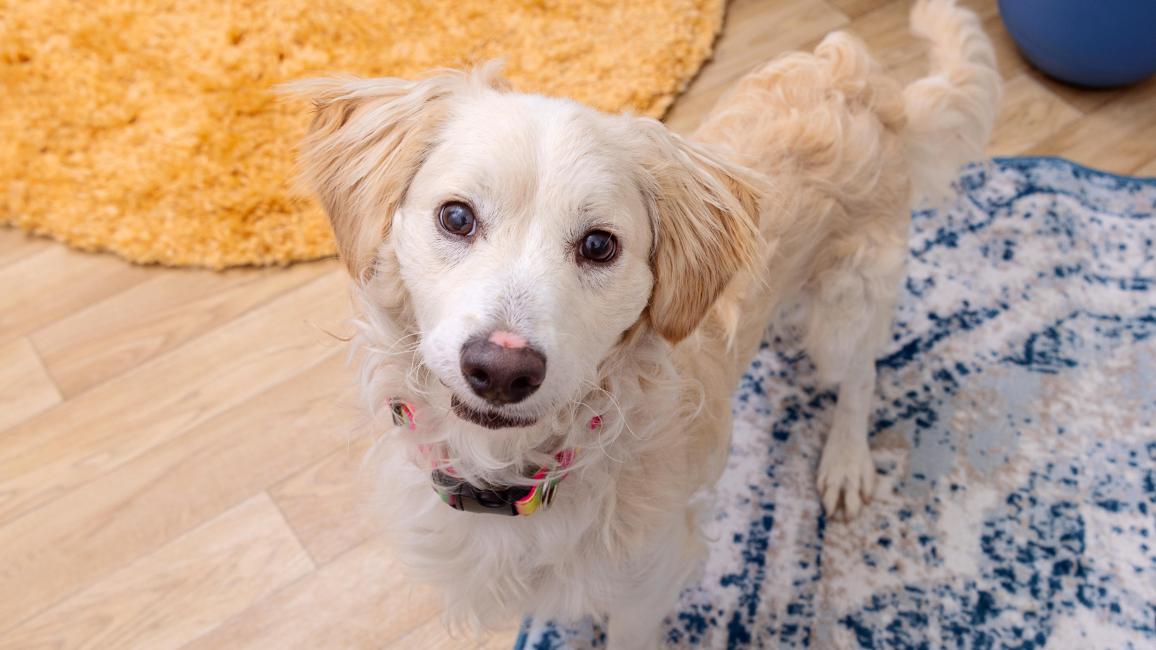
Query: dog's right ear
[[367, 141]]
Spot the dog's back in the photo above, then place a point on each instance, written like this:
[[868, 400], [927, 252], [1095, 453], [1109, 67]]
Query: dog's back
[[847, 151]]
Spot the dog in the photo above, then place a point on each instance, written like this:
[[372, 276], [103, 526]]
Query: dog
[[555, 303]]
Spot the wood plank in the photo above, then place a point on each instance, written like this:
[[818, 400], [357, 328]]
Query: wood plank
[[887, 33], [121, 419], [1118, 137], [15, 244], [58, 281], [754, 34], [982, 8], [25, 387], [1085, 100], [1147, 170], [1007, 54], [360, 600], [186, 588], [99, 527], [1030, 113], [433, 635], [328, 504], [856, 8], [171, 307]]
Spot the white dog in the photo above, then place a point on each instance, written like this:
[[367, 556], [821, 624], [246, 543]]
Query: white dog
[[558, 302]]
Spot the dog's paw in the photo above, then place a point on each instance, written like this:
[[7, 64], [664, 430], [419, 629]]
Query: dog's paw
[[846, 477]]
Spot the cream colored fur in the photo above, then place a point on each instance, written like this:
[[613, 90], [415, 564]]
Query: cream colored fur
[[792, 198]]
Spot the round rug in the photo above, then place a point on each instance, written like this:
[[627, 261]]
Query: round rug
[[149, 127]]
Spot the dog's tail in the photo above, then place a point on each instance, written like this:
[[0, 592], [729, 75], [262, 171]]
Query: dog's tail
[[951, 111]]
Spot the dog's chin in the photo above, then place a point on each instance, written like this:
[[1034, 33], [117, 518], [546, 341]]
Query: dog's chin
[[488, 419]]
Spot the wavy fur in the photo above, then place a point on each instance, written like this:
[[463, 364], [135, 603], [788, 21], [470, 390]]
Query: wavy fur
[[789, 205]]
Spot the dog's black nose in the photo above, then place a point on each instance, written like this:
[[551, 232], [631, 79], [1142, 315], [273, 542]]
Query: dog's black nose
[[502, 368]]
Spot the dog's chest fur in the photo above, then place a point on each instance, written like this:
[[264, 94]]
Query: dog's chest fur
[[666, 425]]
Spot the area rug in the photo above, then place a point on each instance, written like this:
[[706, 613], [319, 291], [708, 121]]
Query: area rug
[[148, 128], [1014, 430]]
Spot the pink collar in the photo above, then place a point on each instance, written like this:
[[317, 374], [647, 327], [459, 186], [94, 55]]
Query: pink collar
[[517, 500]]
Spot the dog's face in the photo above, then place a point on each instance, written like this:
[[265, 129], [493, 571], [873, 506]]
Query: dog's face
[[531, 234], [524, 242]]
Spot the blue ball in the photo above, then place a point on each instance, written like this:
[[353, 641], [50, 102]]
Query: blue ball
[[1096, 43]]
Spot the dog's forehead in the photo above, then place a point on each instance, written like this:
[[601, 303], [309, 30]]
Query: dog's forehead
[[530, 142]]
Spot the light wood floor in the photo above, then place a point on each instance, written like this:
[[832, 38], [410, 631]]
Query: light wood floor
[[174, 463]]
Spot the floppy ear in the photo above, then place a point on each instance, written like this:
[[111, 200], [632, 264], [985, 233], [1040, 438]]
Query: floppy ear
[[366, 142], [705, 213]]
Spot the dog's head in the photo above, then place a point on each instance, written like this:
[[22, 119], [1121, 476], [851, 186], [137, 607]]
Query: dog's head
[[531, 235]]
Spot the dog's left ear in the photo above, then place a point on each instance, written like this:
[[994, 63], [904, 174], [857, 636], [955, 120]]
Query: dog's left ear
[[705, 212]]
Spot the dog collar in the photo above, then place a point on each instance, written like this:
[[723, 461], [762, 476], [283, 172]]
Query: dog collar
[[514, 501]]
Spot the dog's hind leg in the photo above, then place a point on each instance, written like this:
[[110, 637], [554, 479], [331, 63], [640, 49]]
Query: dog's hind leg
[[849, 319]]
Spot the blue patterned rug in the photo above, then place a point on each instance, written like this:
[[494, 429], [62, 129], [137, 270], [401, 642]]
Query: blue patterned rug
[[1015, 428]]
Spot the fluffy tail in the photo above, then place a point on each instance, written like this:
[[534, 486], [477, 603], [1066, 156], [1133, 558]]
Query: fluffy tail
[[951, 111]]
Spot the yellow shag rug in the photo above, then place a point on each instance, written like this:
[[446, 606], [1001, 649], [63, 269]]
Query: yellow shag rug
[[149, 127]]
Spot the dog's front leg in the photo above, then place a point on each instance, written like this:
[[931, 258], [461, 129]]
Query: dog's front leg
[[846, 470], [649, 593]]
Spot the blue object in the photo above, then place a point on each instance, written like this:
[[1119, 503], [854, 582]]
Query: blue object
[[1099, 43]]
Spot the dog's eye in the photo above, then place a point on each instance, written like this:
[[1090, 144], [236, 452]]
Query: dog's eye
[[457, 218], [598, 246]]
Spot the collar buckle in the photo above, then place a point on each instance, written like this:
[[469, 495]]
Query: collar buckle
[[513, 501]]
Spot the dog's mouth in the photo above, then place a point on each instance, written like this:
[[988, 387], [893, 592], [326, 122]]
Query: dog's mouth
[[488, 419]]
